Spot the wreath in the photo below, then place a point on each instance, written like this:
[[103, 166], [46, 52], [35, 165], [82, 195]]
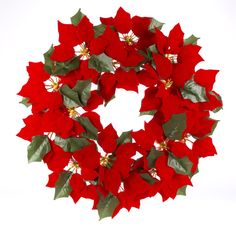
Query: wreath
[[83, 72]]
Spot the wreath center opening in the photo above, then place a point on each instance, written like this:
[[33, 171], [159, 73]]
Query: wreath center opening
[[123, 111]]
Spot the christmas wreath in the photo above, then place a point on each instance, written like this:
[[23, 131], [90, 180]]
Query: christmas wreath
[[95, 162]]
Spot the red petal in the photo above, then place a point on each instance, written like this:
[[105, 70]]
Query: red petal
[[123, 158], [62, 53], [181, 74], [179, 149], [94, 101], [163, 66], [107, 139], [57, 158], [78, 185], [143, 139], [107, 21], [88, 174], [146, 79], [67, 34], [52, 179], [107, 86], [122, 21], [203, 127], [150, 100], [88, 157], [95, 119], [161, 41], [140, 25], [189, 56], [206, 78], [86, 73], [97, 45], [175, 39], [85, 32], [127, 80], [204, 147]]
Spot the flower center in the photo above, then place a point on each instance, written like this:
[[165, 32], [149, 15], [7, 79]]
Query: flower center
[[84, 52], [172, 57], [105, 161], [168, 83], [73, 165], [72, 112], [161, 146], [129, 40], [52, 84]]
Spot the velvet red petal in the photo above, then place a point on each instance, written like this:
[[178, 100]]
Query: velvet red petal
[[107, 139]]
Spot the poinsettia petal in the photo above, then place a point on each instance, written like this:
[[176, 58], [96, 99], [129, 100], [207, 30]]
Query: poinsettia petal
[[175, 39], [88, 174], [140, 25], [204, 147], [161, 41], [122, 21], [67, 34], [94, 101], [78, 186], [189, 56], [107, 85], [94, 118], [206, 78], [123, 160], [62, 53], [57, 158], [52, 179], [85, 32], [127, 80], [179, 149], [88, 157], [107, 139], [143, 139], [163, 65]]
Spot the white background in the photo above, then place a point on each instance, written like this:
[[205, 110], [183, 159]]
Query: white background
[[27, 29]]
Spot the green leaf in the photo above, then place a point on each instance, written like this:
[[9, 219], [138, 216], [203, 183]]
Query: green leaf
[[152, 157], [70, 97], [75, 20], [63, 188], [91, 130], [71, 144], [155, 24], [99, 30], [59, 68], [180, 165], [151, 113], [107, 205], [148, 178], [191, 40], [38, 148], [25, 102], [83, 89], [182, 191], [175, 126], [194, 92], [125, 137], [101, 63]]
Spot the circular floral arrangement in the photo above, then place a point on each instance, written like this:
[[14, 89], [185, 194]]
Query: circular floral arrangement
[[91, 161]]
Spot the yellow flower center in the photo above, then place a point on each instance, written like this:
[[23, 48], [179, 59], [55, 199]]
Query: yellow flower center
[[163, 146], [129, 39], [168, 83], [105, 161], [84, 51], [72, 112], [172, 57]]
